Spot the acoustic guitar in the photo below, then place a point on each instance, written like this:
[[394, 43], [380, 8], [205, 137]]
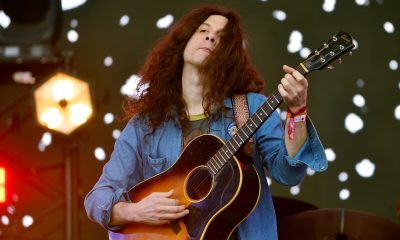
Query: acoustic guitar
[[217, 183]]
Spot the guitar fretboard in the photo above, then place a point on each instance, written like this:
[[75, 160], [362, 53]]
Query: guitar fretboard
[[247, 130]]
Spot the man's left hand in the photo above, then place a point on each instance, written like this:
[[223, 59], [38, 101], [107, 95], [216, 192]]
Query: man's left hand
[[293, 88]]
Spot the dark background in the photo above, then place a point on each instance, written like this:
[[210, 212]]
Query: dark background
[[38, 178]]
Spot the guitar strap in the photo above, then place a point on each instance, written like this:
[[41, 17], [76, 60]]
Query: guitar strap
[[241, 112]]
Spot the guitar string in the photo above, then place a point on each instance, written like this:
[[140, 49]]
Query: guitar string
[[200, 178]]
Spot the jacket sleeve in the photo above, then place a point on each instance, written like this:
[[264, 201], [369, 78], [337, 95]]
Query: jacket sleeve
[[271, 146], [122, 171]]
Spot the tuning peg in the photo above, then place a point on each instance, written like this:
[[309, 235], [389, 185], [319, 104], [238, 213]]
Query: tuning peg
[[339, 60], [330, 67], [350, 53]]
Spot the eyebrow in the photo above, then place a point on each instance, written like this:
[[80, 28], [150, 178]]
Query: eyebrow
[[209, 25]]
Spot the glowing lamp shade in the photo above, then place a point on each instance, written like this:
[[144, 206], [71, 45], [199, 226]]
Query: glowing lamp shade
[[63, 103]]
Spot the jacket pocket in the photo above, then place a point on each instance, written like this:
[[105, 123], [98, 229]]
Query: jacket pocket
[[154, 166]]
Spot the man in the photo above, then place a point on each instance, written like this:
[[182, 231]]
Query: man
[[192, 73]]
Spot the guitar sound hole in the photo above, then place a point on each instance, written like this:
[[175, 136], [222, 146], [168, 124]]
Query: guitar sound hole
[[199, 183]]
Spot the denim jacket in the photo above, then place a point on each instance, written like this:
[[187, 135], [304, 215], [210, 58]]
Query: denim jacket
[[134, 160]]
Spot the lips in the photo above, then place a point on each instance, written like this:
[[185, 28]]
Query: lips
[[205, 49]]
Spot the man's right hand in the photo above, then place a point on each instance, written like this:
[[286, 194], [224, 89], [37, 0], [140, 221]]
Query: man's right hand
[[155, 209]]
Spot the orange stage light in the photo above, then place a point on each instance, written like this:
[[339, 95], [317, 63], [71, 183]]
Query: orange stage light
[[63, 103]]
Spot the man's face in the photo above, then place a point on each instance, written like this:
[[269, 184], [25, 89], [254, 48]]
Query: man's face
[[204, 40]]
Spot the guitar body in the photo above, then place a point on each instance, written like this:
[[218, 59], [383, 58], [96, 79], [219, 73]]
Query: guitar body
[[217, 203]]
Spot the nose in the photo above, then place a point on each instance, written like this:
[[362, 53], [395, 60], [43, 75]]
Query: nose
[[211, 39]]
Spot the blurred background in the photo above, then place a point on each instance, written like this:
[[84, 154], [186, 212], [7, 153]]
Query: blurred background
[[45, 174]]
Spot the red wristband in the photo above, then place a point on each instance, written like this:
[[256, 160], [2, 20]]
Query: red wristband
[[301, 110]]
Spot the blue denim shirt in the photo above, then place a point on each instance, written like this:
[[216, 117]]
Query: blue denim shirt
[[134, 160]]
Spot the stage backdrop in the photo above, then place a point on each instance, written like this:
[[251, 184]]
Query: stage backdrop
[[355, 107]]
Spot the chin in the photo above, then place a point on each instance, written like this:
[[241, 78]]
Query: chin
[[198, 62]]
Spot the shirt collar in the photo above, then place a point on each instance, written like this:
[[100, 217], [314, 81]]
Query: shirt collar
[[228, 102]]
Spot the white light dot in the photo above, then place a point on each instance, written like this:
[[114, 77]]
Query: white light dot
[[295, 41], [130, 87], [343, 176], [108, 118], [5, 220], [124, 20], [330, 154], [295, 190], [344, 194], [353, 123], [294, 47], [4, 19], [46, 138], [355, 44], [310, 172], [359, 100], [393, 65], [165, 21], [279, 15], [116, 133], [397, 111], [72, 36], [360, 83], [100, 154], [362, 2], [41, 146], [27, 221], [108, 61], [305, 52], [296, 36], [388, 26], [73, 23], [365, 168], [329, 5], [71, 4]]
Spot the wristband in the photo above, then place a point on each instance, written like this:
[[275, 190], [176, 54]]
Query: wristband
[[293, 118], [301, 110]]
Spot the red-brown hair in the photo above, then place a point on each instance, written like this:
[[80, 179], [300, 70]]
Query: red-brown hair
[[227, 71]]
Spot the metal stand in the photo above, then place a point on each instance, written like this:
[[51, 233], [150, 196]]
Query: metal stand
[[71, 188]]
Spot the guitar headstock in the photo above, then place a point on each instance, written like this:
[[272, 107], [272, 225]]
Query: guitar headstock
[[330, 51]]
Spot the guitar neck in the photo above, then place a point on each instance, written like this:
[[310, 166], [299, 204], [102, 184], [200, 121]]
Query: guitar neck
[[248, 129], [331, 50]]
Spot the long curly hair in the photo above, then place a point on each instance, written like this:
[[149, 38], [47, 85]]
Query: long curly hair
[[227, 71]]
